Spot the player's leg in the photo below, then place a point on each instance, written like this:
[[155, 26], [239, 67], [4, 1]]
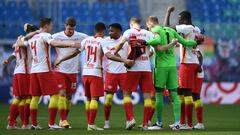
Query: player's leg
[[160, 79], [153, 107], [87, 94], [186, 83], [96, 91], [13, 112], [182, 109], [134, 78], [146, 85], [71, 88], [27, 113], [172, 85], [49, 86], [111, 83], [107, 108], [198, 104], [35, 91], [62, 106], [21, 109], [24, 92]]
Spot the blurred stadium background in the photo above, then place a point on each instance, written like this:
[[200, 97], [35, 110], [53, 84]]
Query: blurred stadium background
[[219, 18]]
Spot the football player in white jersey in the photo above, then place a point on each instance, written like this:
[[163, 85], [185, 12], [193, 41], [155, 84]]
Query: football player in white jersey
[[42, 80], [22, 98], [188, 83], [92, 70], [66, 72], [139, 74], [115, 71]]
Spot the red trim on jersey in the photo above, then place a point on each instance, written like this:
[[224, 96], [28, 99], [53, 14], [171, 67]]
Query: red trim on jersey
[[26, 59], [184, 54], [138, 29], [47, 55], [96, 36]]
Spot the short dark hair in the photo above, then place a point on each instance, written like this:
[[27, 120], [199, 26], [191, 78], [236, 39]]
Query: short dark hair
[[186, 15], [135, 20], [32, 28], [153, 19], [116, 25], [71, 21], [45, 21], [100, 27]]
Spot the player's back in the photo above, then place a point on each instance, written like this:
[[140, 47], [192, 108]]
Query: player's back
[[68, 66], [113, 66], [142, 63], [23, 60], [93, 55], [40, 51], [187, 55]]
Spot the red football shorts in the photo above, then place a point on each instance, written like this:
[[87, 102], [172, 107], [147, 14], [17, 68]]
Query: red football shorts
[[143, 79], [187, 75], [114, 80], [43, 84], [21, 85], [93, 86], [66, 82], [198, 86]]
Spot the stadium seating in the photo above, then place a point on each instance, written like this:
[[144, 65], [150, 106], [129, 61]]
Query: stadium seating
[[16, 12], [216, 15]]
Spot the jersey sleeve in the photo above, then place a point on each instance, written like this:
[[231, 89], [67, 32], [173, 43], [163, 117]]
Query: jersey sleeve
[[82, 46], [105, 47], [181, 29], [183, 41], [126, 34], [46, 37]]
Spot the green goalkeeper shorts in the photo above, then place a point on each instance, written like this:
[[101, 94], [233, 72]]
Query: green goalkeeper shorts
[[166, 76]]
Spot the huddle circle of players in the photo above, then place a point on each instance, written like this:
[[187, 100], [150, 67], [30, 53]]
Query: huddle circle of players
[[128, 60]]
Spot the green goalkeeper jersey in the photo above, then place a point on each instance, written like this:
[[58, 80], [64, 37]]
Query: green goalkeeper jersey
[[164, 36]]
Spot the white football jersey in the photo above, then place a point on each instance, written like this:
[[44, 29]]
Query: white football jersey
[[71, 65], [23, 60], [40, 49], [93, 47], [187, 55], [143, 62], [113, 66]]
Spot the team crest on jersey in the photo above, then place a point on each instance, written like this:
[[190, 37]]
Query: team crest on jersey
[[109, 86], [60, 85]]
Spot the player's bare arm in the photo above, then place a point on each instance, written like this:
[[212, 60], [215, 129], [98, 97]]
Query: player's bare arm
[[8, 60], [119, 45], [119, 59], [167, 17], [31, 34], [66, 57], [200, 59], [166, 47], [64, 44]]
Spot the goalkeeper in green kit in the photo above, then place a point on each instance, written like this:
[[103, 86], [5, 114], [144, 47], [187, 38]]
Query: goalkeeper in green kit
[[165, 70]]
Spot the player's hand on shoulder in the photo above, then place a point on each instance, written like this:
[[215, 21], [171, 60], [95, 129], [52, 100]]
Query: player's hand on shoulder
[[175, 41], [199, 38]]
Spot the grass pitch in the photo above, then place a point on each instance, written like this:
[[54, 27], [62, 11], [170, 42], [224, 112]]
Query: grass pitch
[[218, 120]]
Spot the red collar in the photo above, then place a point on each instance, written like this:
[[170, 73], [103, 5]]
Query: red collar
[[96, 36], [67, 35], [138, 29]]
